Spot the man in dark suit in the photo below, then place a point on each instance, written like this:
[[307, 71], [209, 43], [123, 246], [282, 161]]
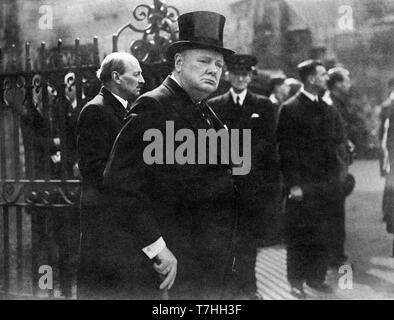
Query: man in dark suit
[[309, 134], [98, 125], [239, 108], [178, 217], [339, 85]]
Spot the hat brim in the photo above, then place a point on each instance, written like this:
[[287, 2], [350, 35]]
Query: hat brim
[[183, 45]]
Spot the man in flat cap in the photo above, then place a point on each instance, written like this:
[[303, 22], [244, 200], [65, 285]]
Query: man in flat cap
[[177, 219], [239, 108]]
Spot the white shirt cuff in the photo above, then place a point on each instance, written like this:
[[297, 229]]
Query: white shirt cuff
[[155, 248]]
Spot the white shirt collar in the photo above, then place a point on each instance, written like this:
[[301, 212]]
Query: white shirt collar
[[273, 99], [241, 96], [173, 78], [124, 102], [309, 95], [327, 98]]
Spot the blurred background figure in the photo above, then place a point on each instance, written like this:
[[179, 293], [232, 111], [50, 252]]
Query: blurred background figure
[[73, 111], [387, 157], [279, 92], [339, 85], [387, 106], [240, 108], [295, 86], [386, 109], [309, 135], [388, 164]]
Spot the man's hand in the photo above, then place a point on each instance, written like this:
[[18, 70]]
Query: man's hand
[[166, 265], [351, 147], [385, 164], [56, 141], [56, 158], [296, 193], [76, 170]]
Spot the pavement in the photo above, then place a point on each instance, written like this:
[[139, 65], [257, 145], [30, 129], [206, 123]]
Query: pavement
[[368, 245]]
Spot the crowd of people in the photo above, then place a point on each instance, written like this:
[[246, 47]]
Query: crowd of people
[[191, 230]]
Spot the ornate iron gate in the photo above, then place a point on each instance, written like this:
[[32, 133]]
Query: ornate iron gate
[[39, 179]]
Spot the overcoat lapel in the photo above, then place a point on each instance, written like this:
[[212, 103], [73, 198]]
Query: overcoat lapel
[[184, 106]]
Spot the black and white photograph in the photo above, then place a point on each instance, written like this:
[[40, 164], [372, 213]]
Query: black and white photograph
[[197, 150]]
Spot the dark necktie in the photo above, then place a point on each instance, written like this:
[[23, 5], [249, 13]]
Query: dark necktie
[[238, 103], [202, 106], [129, 106], [208, 115]]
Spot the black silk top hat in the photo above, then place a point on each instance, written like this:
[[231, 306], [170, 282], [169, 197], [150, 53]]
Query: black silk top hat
[[199, 30], [241, 63]]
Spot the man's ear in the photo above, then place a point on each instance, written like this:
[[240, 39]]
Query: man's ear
[[311, 79], [227, 76], [251, 76], [115, 76], [178, 60], [339, 84]]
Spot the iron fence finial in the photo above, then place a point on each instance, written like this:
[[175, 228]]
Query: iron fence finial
[[156, 36]]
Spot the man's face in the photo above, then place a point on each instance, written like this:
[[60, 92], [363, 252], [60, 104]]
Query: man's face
[[345, 85], [319, 80], [131, 81], [240, 80], [199, 71]]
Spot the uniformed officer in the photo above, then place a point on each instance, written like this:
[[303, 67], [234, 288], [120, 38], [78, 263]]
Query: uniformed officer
[[239, 108]]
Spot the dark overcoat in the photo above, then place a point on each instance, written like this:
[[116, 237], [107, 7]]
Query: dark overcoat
[[389, 212], [190, 205], [98, 125], [260, 189], [309, 136], [338, 210]]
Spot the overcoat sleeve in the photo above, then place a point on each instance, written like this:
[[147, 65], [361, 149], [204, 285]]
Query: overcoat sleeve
[[129, 179], [287, 142], [336, 185]]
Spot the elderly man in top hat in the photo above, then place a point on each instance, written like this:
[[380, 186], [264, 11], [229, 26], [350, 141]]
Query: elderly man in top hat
[[176, 219], [240, 108]]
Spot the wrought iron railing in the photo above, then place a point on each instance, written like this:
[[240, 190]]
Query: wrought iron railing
[[39, 181], [36, 180]]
